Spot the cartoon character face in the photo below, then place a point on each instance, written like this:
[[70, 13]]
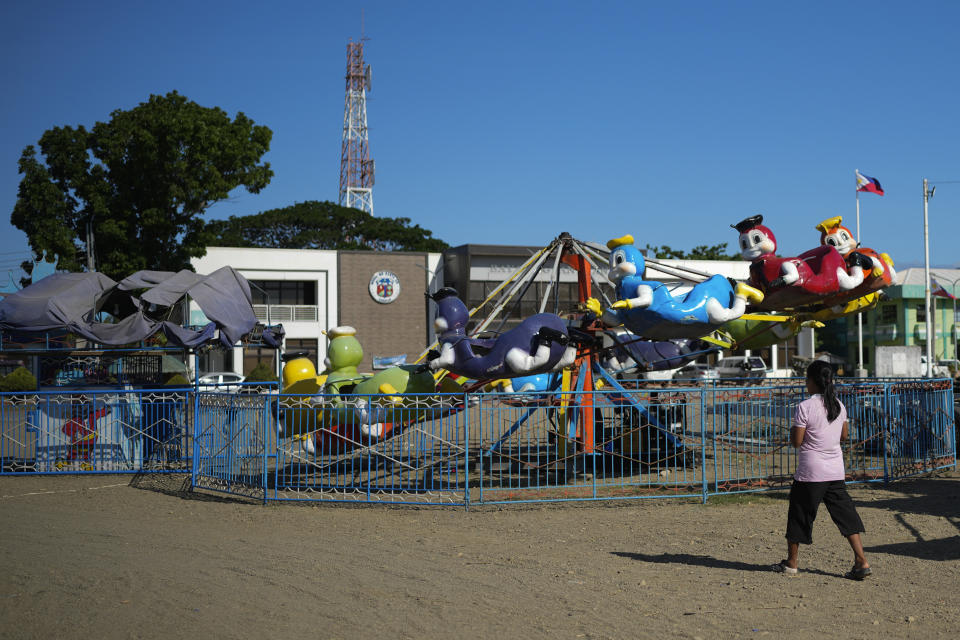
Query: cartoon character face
[[343, 351], [625, 261], [756, 242], [841, 238], [452, 314]]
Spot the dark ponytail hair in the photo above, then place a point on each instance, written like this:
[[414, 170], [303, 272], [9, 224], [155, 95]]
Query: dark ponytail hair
[[822, 376]]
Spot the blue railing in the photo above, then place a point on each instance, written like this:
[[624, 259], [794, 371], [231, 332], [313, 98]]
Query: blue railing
[[96, 431], [619, 441]]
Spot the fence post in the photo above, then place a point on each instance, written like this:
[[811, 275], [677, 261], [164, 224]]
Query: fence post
[[266, 436], [480, 452], [466, 450], [593, 447], [195, 458], [703, 442], [952, 419], [884, 429], [276, 442]]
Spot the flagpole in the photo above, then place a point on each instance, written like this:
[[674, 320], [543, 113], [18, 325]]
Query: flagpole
[[860, 371], [926, 279]]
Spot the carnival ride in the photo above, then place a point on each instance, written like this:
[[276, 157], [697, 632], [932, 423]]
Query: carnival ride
[[574, 364], [551, 393], [649, 309], [353, 405]]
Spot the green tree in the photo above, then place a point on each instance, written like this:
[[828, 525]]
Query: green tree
[[664, 252], [177, 380], [700, 252], [712, 252], [263, 372], [141, 180], [20, 379], [321, 225]]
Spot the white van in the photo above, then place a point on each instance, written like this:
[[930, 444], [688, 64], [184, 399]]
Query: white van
[[742, 367]]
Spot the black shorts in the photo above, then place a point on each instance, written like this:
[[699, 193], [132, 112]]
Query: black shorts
[[805, 499]]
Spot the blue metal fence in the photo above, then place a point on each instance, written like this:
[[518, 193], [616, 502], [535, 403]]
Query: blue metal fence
[[409, 449], [95, 431], [231, 444], [623, 440]]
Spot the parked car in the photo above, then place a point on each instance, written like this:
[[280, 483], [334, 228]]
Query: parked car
[[223, 381], [696, 371], [742, 367]]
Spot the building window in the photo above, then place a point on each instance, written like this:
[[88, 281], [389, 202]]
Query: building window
[[307, 345], [253, 356], [216, 360], [888, 314], [298, 292], [921, 314]]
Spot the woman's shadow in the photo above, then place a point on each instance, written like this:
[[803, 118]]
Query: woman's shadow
[[706, 561]]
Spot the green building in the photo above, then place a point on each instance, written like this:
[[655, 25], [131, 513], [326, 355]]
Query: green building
[[900, 320]]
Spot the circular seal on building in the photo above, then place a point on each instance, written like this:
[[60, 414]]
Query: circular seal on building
[[384, 287]]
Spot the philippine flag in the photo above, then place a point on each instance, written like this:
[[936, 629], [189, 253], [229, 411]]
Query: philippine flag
[[866, 183], [939, 289]]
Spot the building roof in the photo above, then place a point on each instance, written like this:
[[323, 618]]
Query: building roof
[[914, 276]]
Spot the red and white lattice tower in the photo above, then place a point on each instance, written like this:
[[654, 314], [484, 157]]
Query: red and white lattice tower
[[356, 166]]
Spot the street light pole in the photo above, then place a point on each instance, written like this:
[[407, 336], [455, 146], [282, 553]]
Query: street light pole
[[927, 194]]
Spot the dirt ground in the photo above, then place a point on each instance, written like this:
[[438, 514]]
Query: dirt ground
[[101, 556]]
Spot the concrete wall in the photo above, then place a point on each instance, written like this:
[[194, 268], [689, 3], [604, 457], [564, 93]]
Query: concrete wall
[[399, 327]]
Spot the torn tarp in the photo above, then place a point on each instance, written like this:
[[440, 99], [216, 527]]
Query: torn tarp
[[140, 306]]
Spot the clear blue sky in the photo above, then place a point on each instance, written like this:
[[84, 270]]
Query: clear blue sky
[[509, 122]]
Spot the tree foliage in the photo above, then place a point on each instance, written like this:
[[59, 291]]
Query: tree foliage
[[700, 252], [20, 379], [176, 380], [321, 225], [141, 180], [263, 372]]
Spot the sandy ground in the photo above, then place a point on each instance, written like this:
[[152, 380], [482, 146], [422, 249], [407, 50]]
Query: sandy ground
[[101, 556]]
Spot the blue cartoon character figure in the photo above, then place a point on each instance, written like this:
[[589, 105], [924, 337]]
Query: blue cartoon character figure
[[539, 344], [649, 309]]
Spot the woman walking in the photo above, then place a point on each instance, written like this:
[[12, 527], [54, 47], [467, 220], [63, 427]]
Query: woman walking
[[819, 426]]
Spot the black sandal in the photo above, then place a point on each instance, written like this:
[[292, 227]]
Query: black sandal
[[857, 573]]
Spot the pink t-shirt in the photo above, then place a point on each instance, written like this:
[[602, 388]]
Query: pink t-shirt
[[820, 458]]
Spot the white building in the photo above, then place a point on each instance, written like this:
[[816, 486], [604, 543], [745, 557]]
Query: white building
[[309, 291]]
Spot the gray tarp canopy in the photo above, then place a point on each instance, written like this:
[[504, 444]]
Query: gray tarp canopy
[[72, 301]]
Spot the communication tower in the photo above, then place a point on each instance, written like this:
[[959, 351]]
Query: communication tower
[[356, 166]]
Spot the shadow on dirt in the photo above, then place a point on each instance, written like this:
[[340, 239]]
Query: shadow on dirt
[[178, 486], [945, 549], [707, 561], [935, 495]]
